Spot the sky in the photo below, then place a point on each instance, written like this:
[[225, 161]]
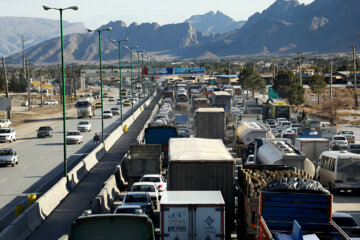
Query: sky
[[94, 13]]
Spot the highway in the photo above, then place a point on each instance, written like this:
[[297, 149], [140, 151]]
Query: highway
[[41, 159]]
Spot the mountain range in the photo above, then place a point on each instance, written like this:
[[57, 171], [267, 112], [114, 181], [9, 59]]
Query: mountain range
[[324, 26], [34, 30]]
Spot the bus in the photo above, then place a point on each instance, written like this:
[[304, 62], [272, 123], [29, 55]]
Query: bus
[[339, 170], [278, 110]]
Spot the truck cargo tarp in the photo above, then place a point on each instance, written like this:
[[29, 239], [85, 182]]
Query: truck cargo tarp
[[295, 185], [197, 149]]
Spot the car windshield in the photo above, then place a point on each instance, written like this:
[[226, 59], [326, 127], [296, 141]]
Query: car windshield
[[126, 210], [4, 130], [354, 146], [345, 222], [151, 179], [143, 188], [73, 133], [44, 128], [83, 123], [339, 138], [135, 198], [114, 109], [348, 165], [270, 121], [6, 152], [106, 111], [347, 132]]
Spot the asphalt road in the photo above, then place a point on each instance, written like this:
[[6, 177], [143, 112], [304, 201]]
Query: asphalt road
[[42, 158]]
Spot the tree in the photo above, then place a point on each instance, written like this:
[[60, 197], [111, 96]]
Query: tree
[[317, 85], [249, 79], [288, 86], [13, 83]]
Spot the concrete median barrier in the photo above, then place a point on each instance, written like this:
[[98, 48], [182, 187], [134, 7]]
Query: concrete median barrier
[[34, 215]]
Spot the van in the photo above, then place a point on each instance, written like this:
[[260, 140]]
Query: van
[[339, 170]]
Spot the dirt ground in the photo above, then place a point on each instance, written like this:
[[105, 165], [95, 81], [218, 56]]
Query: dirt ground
[[341, 110]]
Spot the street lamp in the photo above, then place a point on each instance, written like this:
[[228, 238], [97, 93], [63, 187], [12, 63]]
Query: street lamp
[[139, 74], [75, 8], [131, 77], [101, 82], [142, 76], [120, 95]]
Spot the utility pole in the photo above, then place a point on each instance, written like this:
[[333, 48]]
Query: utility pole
[[6, 86], [331, 80], [300, 56], [28, 83], [229, 73], [41, 93], [355, 79], [23, 56], [74, 82]]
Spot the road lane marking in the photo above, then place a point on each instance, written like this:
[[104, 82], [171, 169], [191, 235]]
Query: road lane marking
[[25, 167], [3, 180]]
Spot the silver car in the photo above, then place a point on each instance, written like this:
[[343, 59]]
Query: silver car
[[8, 156]]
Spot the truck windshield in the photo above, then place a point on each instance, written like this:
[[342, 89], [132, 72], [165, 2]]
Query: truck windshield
[[83, 104], [349, 165], [4, 130]]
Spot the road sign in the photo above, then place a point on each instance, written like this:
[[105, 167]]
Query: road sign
[[272, 94], [5, 104]]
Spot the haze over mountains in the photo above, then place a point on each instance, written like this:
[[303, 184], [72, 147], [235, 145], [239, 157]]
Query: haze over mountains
[[324, 26], [35, 30]]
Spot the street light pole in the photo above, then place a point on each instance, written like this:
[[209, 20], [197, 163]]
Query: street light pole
[[120, 75], [131, 78], [101, 82], [142, 76], [75, 8]]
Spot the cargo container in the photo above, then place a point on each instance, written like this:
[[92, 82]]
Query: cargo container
[[312, 147], [197, 164], [192, 215], [210, 123], [143, 159]]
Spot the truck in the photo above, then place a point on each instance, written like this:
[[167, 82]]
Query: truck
[[197, 164], [245, 136], [112, 226], [312, 147], [161, 135], [85, 107], [210, 123], [192, 215], [221, 99], [143, 159], [251, 180], [279, 151], [181, 119], [297, 215]]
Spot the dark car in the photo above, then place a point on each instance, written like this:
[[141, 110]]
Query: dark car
[[142, 199], [347, 223], [45, 131], [354, 148]]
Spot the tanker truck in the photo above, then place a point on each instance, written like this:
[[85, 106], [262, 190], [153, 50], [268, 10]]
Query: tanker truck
[[245, 137], [279, 151]]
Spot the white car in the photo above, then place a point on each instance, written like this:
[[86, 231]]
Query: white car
[[108, 114], [279, 120], [285, 124], [111, 99], [119, 102], [8, 156], [51, 102], [7, 134], [5, 123], [73, 137], [338, 142], [84, 126], [350, 135], [157, 179], [148, 187]]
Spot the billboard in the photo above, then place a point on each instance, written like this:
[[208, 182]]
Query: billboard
[[159, 71], [190, 71], [5, 104]]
